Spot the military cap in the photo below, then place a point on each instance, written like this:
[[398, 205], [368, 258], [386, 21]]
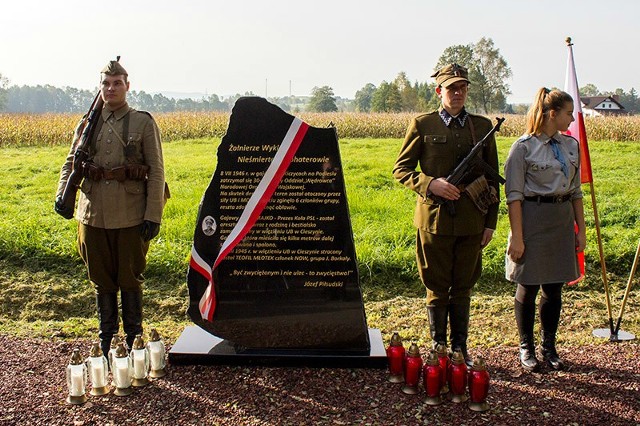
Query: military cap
[[450, 74], [114, 68]]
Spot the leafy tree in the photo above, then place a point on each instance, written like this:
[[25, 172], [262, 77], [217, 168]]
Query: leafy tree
[[4, 83], [488, 72], [427, 98], [364, 97], [408, 93], [589, 90], [322, 100], [386, 98]]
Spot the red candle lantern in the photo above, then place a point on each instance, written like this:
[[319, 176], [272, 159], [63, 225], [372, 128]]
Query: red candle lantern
[[412, 369], [431, 376], [458, 378], [478, 386], [395, 358], [444, 361]]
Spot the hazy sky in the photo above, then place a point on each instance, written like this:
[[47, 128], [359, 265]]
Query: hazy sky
[[281, 47]]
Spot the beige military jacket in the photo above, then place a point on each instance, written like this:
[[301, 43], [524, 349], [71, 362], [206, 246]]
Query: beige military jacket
[[432, 150], [111, 204]]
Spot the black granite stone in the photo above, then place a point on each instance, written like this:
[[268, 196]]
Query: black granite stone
[[291, 284]]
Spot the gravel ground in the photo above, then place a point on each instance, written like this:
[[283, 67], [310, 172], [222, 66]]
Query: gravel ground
[[601, 386]]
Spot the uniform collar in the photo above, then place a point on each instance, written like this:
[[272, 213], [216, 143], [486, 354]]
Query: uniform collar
[[118, 114], [448, 118], [542, 137]]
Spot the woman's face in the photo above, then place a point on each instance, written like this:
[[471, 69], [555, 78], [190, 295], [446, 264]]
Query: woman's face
[[563, 117]]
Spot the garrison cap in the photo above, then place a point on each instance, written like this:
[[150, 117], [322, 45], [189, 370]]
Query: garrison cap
[[114, 68], [450, 74]]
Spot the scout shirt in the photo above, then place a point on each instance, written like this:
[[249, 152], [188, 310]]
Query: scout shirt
[[531, 168], [111, 204], [437, 149]]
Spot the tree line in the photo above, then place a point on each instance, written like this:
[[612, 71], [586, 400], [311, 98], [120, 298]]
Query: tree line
[[488, 71]]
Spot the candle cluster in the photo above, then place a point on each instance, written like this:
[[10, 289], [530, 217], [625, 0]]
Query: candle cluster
[[442, 374], [128, 369]]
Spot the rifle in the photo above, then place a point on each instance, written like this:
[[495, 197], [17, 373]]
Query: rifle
[[467, 164], [65, 204]]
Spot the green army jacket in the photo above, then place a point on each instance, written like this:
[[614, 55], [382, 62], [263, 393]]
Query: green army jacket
[[432, 150], [111, 204]]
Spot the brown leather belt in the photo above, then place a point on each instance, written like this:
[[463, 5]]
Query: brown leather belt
[[118, 173], [549, 198]]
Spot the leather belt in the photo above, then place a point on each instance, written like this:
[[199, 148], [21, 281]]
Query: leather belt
[[549, 198]]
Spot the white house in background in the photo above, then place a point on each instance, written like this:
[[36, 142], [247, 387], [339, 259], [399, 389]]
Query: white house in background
[[597, 106]]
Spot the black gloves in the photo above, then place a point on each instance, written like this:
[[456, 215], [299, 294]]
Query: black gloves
[[149, 230], [61, 209]]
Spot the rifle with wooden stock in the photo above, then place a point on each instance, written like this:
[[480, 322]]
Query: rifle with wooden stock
[[65, 203], [467, 164]]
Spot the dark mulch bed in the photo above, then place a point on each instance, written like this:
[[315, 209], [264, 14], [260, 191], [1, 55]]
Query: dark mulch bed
[[601, 386]]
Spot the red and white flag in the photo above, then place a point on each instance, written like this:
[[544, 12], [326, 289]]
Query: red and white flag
[[578, 131], [577, 128]]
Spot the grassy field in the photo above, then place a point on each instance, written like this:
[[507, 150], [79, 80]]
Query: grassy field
[[44, 290]]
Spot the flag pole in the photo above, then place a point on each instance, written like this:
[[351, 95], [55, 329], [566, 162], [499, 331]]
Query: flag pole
[[626, 294], [579, 132]]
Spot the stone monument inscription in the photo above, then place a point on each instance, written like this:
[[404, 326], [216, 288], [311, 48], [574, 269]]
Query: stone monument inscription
[[273, 265]]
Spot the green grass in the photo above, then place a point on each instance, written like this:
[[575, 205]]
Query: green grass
[[44, 290]]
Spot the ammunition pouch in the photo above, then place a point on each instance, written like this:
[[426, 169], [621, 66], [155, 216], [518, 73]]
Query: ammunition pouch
[[482, 194], [130, 171]]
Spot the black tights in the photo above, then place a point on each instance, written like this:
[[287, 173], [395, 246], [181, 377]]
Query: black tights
[[549, 307]]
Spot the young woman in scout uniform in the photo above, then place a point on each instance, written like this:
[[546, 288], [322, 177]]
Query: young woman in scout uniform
[[544, 200]]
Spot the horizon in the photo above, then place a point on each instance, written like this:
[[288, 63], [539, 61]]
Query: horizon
[[285, 48]]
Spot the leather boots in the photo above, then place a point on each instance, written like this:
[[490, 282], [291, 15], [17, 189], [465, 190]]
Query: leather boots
[[131, 315], [107, 304]]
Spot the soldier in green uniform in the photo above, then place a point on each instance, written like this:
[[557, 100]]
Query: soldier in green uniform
[[120, 204], [449, 246]]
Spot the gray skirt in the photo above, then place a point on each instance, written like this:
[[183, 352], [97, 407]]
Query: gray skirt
[[549, 245]]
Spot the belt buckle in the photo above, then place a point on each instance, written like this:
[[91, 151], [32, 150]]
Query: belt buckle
[[558, 199]]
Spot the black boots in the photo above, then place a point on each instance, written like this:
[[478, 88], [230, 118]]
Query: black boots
[[528, 359], [525, 316], [131, 315], [438, 316], [459, 321], [108, 318], [548, 351], [549, 318]]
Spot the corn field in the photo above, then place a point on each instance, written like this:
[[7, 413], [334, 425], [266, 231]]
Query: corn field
[[57, 129]]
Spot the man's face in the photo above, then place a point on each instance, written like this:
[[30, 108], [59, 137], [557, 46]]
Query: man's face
[[114, 90], [453, 96]]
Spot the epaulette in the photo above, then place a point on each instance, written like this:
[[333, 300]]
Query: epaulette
[[481, 117], [524, 138]]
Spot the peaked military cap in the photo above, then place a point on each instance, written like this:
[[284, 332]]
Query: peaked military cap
[[114, 68], [450, 74]]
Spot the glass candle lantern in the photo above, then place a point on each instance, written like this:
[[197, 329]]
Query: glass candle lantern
[[395, 358], [458, 378], [98, 371], [478, 386], [412, 370], [431, 379], [156, 355], [76, 374], [140, 362], [121, 371]]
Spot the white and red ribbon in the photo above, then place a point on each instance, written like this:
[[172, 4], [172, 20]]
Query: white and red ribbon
[[252, 211]]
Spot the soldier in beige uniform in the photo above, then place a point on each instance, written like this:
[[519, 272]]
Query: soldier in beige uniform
[[120, 205], [449, 247]]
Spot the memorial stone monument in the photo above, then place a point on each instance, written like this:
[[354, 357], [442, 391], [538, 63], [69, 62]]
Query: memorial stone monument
[[273, 269]]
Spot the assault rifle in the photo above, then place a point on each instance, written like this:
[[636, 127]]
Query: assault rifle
[[467, 164], [65, 204]]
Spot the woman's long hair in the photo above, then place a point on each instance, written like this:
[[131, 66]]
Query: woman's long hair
[[545, 101]]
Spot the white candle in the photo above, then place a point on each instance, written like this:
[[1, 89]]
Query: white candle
[[77, 384], [97, 373], [122, 376], [156, 358], [139, 370]]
